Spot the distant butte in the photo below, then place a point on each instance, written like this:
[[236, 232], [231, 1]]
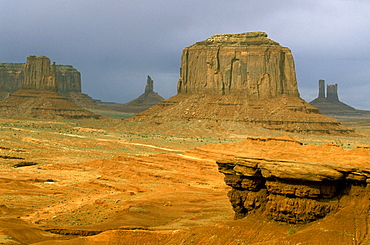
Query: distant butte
[[330, 104], [244, 78], [65, 79], [148, 99], [35, 94]]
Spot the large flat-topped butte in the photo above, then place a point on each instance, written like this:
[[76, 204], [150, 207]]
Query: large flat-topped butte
[[247, 63], [243, 78]]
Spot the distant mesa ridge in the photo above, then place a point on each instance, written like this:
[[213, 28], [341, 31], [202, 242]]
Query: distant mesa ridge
[[242, 78], [38, 74], [329, 104], [35, 89]]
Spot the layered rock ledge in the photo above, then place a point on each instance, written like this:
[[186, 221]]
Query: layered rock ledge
[[290, 191]]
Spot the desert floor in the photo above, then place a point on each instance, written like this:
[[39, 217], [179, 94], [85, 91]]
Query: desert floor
[[107, 179]]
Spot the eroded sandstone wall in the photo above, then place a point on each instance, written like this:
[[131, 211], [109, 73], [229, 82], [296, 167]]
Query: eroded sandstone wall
[[68, 79], [289, 191], [246, 63], [39, 75]]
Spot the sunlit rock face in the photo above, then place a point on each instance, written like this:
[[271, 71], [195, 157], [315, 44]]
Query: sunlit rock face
[[245, 63]]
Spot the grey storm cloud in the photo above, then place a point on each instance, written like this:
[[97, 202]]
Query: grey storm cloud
[[116, 44]]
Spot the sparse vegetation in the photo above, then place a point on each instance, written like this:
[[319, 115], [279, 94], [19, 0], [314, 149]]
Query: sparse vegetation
[[292, 231]]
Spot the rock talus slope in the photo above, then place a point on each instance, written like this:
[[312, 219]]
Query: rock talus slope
[[36, 104]]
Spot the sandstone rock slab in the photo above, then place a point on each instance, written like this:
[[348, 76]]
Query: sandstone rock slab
[[286, 190]]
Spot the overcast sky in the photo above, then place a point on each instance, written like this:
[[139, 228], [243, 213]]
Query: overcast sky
[[115, 44]]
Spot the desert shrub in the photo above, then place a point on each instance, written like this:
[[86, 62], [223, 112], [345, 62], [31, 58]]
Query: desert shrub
[[292, 231]]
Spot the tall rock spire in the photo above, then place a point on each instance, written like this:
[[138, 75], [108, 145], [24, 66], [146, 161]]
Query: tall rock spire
[[321, 88], [149, 85]]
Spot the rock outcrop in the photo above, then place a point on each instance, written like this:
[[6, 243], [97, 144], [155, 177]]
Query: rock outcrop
[[68, 79], [149, 85], [289, 191], [329, 103], [245, 78], [38, 97], [145, 101], [245, 63], [64, 77], [39, 75]]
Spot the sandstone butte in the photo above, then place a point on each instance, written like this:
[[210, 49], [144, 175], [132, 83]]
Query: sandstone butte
[[37, 88], [12, 76], [245, 78], [67, 78]]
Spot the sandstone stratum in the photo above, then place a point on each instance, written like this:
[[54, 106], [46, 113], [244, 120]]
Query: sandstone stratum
[[37, 89], [245, 78]]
